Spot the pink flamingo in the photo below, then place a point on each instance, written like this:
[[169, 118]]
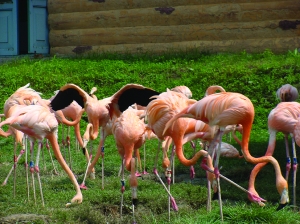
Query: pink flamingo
[[283, 118], [38, 123], [22, 96], [159, 112], [128, 130], [222, 109]]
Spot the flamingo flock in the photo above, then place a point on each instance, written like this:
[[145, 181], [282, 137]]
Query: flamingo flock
[[133, 114]]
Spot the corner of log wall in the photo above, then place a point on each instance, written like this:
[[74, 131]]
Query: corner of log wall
[[130, 26]]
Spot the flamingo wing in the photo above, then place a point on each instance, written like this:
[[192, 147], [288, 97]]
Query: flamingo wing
[[66, 95], [133, 93]]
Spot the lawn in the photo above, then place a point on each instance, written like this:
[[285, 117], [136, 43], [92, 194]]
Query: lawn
[[257, 76]]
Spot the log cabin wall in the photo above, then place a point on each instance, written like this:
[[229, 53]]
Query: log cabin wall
[[78, 26]]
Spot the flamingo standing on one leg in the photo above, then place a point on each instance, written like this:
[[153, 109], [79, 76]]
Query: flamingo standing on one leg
[[100, 111], [227, 108], [38, 122], [283, 118]]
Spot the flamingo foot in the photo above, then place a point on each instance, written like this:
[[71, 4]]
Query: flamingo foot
[[4, 183], [256, 199], [145, 172], [174, 205], [82, 186]]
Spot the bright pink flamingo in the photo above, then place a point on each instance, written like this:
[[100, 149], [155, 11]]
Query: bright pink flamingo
[[38, 123], [283, 118], [222, 109], [100, 111]]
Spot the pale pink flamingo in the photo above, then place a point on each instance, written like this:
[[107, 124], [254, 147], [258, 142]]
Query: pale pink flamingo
[[100, 111], [222, 109], [38, 123], [285, 118], [22, 96]]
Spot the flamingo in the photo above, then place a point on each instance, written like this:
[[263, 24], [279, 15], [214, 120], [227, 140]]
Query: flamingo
[[159, 112], [287, 93], [222, 109], [22, 96], [100, 111], [128, 130], [283, 118], [38, 123]]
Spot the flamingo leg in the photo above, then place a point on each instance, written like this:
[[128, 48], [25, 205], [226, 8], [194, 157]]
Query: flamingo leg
[[63, 144], [15, 167], [295, 167], [122, 187], [192, 169], [48, 148], [288, 158], [133, 186], [102, 156], [12, 168], [26, 165], [44, 161], [82, 185], [216, 167], [69, 146], [31, 165], [174, 205], [37, 170], [168, 175]]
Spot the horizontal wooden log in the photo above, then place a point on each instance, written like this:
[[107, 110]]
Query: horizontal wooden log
[[167, 34], [277, 45], [182, 15], [68, 6]]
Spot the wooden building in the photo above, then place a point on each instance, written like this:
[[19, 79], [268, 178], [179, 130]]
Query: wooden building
[[80, 26]]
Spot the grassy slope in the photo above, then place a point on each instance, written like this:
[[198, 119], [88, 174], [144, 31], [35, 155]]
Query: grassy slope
[[258, 76]]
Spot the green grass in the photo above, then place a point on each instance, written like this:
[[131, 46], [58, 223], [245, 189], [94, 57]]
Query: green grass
[[257, 76]]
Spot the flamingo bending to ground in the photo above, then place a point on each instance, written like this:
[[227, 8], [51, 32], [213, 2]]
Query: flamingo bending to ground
[[128, 131], [227, 108], [283, 118], [38, 123], [159, 112]]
